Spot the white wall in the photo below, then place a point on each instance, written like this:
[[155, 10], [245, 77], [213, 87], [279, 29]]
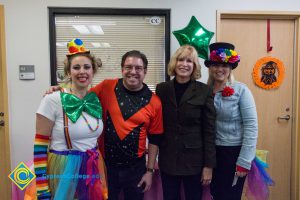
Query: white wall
[[27, 42]]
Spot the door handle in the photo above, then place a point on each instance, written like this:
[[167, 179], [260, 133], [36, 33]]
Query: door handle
[[286, 117], [2, 123]]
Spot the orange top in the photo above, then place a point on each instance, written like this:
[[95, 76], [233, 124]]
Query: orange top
[[128, 118]]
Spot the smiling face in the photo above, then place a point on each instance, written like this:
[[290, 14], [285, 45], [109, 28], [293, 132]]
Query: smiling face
[[133, 73], [184, 64], [81, 72], [184, 68], [220, 72]]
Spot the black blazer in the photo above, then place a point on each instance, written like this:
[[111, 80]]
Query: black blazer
[[188, 142]]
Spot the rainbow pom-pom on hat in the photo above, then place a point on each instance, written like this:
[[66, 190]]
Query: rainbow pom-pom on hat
[[76, 46], [222, 52]]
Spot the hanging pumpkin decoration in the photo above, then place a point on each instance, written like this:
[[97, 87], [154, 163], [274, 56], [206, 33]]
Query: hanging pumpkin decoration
[[268, 73]]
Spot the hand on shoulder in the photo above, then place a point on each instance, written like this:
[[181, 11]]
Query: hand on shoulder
[[52, 89]]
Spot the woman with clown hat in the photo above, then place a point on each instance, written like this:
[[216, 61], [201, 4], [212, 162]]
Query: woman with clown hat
[[236, 123], [67, 162]]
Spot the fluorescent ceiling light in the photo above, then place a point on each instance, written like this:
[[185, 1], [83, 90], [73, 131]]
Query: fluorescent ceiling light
[[105, 44], [96, 29], [96, 44], [61, 44], [89, 29], [82, 29], [99, 45]]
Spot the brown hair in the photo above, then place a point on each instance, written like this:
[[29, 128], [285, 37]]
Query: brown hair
[[136, 54], [185, 51]]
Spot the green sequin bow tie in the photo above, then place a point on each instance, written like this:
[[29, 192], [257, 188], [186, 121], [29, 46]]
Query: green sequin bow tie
[[74, 106]]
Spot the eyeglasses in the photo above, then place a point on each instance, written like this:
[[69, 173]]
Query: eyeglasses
[[129, 68]]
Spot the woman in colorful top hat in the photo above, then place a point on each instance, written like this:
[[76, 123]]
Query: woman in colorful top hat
[[67, 162], [236, 123], [187, 150]]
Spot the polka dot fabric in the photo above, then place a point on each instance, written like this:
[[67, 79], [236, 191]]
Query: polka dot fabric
[[76, 46]]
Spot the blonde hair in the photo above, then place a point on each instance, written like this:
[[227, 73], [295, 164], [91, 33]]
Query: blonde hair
[[96, 63], [181, 52]]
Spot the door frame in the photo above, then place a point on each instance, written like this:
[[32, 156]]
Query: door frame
[[3, 79], [295, 165]]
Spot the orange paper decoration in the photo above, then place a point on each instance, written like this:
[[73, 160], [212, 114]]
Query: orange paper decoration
[[268, 73]]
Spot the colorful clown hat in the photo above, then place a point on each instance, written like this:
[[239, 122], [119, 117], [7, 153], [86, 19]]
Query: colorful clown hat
[[222, 53], [76, 46]]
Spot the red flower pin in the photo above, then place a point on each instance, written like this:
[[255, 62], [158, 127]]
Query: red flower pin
[[227, 91]]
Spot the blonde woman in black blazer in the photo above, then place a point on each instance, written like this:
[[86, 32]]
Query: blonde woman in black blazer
[[187, 150]]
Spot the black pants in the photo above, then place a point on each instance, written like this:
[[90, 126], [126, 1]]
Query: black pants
[[221, 185], [172, 185], [126, 179]]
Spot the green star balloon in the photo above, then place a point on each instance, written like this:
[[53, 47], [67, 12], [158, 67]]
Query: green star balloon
[[195, 35]]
